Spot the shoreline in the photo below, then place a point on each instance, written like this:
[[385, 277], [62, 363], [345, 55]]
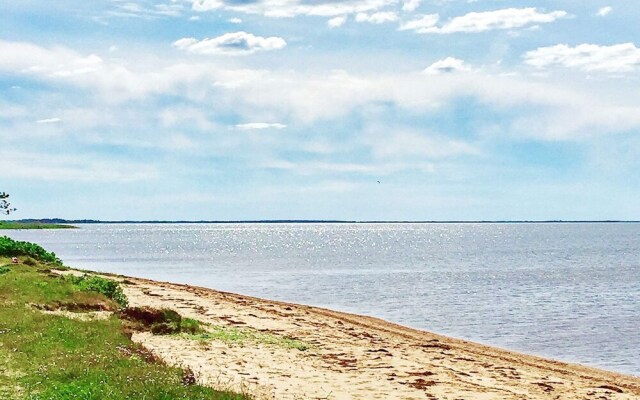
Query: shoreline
[[351, 356], [19, 225]]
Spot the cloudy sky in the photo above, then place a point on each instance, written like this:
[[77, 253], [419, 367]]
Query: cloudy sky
[[278, 109]]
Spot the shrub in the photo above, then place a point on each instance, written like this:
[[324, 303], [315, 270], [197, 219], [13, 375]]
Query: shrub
[[148, 316], [4, 270], [159, 322], [171, 316], [164, 328], [107, 287], [191, 326], [14, 248], [30, 262]]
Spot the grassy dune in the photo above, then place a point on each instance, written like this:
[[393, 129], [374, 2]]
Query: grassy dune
[[54, 346]]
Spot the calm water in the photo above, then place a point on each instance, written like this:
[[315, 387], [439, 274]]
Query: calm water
[[567, 291]]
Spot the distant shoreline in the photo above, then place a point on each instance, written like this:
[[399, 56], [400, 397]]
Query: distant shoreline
[[58, 221], [16, 225]]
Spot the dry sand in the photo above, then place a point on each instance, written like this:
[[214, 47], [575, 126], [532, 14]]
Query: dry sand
[[354, 357]]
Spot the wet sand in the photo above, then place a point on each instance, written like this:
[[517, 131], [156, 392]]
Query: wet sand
[[352, 356]]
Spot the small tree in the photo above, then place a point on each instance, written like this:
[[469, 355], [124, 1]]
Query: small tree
[[5, 206]]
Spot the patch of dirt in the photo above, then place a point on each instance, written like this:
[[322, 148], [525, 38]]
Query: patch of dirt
[[421, 384], [75, 311], [141, 352], [612, 388]]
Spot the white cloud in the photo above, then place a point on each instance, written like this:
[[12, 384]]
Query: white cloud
[[75, 168], [315, 188], [446, 65], [337, 21], [10, 111], [306, 97], [34, 59], [139, 10], [115, 80], [509, 18], [259, 125], [377, 18], [185, 117], [403, 143], [236, 43], [604, 11], [172, 10], [410, 5], [48, 121], [235, 20], [291, 8], [422, 24], [324, 187], [309, 98], [583, 119], [340, 168], [587, 57]]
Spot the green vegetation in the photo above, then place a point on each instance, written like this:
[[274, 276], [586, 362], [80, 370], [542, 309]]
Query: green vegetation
[[46, 356], [32, 225], [230, 334], [107, 287], [5, 206], [159, 322], [190, 326], [13, 248]]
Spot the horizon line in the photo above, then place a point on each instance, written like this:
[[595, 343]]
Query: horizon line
[[308, 221]]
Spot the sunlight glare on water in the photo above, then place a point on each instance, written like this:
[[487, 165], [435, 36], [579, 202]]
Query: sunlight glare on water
[[566, 291]]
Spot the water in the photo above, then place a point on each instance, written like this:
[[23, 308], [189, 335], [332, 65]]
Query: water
[[565, 291]]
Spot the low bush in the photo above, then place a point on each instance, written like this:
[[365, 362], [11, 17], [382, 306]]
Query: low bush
[[14, 248], [4, 270], [190, 326], [111, 289], [159, 322]]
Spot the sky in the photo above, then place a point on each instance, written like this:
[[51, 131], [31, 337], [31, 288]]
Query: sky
[[320, 109]]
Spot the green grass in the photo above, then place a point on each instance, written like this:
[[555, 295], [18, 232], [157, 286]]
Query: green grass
[[242, 336], [14, 248], [33, 225], [46, 357], [107, 287], [190, 326]]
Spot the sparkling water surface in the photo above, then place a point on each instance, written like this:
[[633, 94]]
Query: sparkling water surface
[[565, 291]]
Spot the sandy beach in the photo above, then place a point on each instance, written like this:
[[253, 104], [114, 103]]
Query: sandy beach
[[351, 356]]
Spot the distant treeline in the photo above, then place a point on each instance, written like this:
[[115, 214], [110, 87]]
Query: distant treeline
[[55, 221]]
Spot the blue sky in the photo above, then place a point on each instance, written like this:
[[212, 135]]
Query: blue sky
[[295, 109]]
